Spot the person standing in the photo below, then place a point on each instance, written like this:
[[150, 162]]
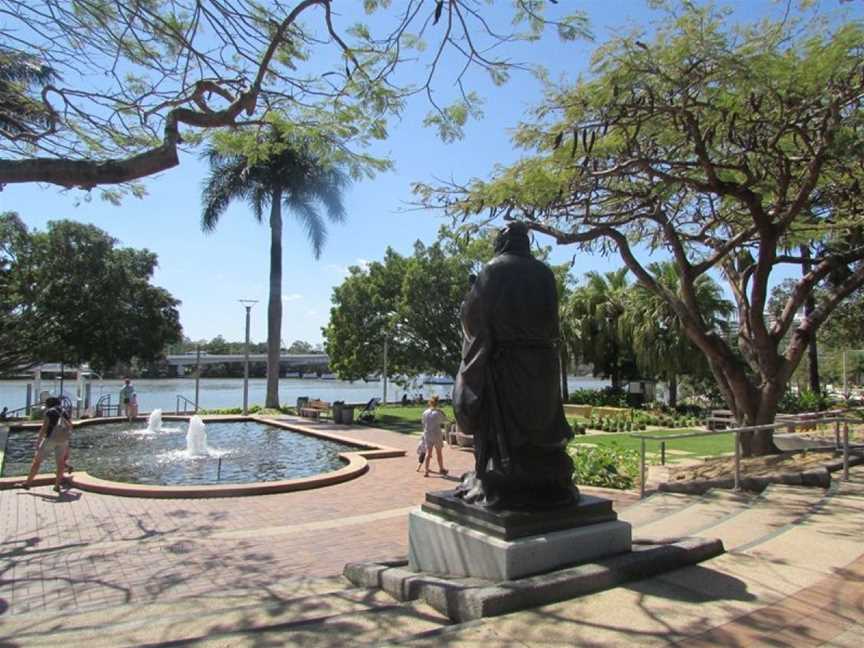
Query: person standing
[[126, 398], [433, 436], [133, 406], [55, 434]]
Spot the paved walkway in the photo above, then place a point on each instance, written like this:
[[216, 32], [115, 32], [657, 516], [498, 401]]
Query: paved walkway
[[84, 550]]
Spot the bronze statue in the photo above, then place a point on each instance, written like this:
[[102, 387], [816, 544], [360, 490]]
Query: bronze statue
[[507, 393]]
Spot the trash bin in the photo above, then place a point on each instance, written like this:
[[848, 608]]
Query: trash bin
[[347, 415], [302, 401], [337, 411]]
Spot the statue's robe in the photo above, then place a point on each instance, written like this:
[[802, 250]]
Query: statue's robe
[[507, 393]]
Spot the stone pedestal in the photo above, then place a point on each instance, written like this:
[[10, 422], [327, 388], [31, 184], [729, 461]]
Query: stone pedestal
[[501, 546]]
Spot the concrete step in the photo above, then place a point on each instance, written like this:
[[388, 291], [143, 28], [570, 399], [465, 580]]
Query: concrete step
[[195, 619], [655, 507], [826, 539], [777, 507], [702, 512]]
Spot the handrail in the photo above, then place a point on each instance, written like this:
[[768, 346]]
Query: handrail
[[105, 407], [185, 401], [807, 419]]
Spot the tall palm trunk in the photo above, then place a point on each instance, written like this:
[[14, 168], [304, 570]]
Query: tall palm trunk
[[274, 307]]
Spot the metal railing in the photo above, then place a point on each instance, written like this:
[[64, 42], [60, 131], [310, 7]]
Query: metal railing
[[787, 423], [104, 406], [188, 405]]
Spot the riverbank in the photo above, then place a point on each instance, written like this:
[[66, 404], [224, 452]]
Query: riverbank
[[216, 393]]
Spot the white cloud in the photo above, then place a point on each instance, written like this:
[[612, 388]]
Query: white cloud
[[292, 297], [338, 269], [311, 312]]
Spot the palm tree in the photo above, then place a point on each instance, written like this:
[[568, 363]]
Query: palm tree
[[593, 310], [294, 178], [655, 333], [22, 76]]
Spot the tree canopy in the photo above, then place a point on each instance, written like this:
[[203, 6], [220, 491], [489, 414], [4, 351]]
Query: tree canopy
[[725, 147], [411, 302], [99, 92], [48, 276]]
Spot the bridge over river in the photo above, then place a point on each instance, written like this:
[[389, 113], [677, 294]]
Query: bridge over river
[[306, 362], [312, 362]]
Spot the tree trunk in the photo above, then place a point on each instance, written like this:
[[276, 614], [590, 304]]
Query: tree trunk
[[565, 394], [750, 405], [809, 307], [274, 307], [673, 391]]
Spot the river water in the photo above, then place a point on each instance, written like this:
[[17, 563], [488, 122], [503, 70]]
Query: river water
[[228, 392]]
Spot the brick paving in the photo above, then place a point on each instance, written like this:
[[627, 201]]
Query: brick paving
[[84, 550], [820, 615]]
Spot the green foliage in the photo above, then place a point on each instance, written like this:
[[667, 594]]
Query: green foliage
[[607, 467], [654, 331], [804, 401], [411, 301], [87, 299], [311, 65], [590, 316], [606, 397]]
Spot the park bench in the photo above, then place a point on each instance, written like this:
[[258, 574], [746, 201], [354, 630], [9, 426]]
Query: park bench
[[314, 408], [721, 419]]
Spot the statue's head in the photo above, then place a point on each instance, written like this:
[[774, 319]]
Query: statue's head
[[513, 238]]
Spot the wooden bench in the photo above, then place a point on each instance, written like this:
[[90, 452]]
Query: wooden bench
[[314, 408], [721, 420]]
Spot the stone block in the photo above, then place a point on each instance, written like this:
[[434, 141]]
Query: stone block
[[440, 546]]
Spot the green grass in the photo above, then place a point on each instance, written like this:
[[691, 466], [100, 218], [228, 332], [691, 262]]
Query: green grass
[[405, 420], [707, 446]]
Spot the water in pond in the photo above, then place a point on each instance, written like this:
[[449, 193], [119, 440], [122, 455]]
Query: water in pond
[[250, 452]]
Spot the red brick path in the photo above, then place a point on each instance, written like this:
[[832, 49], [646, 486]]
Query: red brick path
[[86, 550]]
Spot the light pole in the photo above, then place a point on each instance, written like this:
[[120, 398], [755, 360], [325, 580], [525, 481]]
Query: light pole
[[384, 395], [247, 304]]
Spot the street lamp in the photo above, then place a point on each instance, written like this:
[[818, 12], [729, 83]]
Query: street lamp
[[247, 304]]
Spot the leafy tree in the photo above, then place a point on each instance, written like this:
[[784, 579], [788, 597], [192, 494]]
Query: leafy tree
[[21, 330], [293, 177], [134, 83], [427, 325], [654, 332], [218, 346], [364, 309], [725, 146], [301, 346], [89, 299]]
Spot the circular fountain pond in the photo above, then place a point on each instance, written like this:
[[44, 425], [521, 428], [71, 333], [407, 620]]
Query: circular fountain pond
[[178, 452]]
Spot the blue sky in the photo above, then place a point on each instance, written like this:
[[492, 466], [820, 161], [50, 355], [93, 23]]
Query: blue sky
[[210, 272]]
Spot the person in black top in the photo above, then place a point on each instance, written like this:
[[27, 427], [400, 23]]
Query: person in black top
[[55, 434]]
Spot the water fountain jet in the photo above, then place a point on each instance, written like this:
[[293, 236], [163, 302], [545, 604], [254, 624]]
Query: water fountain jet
[[196, 437], [154, 423]]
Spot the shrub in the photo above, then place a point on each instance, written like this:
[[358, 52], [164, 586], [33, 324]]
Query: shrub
[[607, 397], [804, 401], [605, 466]]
